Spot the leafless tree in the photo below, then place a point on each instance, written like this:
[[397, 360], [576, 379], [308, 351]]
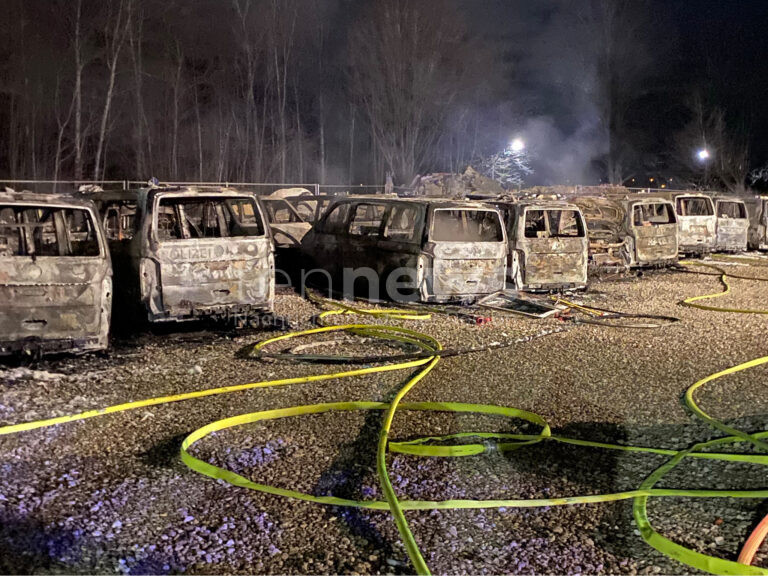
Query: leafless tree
[[406, 78]]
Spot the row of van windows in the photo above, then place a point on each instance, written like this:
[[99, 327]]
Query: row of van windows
[[403, 223], [46, 231], [200, 217], [553, 224]]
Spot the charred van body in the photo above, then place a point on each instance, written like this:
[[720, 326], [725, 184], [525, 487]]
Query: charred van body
[[630, 230], [732, 224], [434, 251], [696, 222], [757, 209], [547, 244], [186, 253], [55, 275]]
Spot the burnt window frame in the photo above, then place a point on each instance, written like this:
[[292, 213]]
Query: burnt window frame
[[384, 217], [222, 218], [671, 209], [742, 206], [581, 224], [60, 229], [705, 199], [418, 232], [434, 209]]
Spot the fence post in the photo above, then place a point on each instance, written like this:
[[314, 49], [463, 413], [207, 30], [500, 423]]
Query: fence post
[[317, 189]]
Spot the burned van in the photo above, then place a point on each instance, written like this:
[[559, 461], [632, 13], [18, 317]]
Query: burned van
[[186, 253], [55, 275], [547, 244], [757, 210], [435, 251], [732, 224], [696, 223], [630, 230]]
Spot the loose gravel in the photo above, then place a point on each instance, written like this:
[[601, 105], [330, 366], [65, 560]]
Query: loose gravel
[[110, 495]]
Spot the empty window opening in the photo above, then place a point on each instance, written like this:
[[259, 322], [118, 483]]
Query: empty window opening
[[728, 209], [199, 217], [694, 207], [652, 214], [553, 224], [464, 225], [47, 231]]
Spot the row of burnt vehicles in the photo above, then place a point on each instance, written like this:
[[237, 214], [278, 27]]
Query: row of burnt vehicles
[[180, 253]]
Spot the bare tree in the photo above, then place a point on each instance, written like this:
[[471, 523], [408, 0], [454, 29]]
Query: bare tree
[[115, 32], [406, 78]]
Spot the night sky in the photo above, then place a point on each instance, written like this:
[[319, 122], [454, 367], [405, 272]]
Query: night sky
[[599, 90], [718, 48]]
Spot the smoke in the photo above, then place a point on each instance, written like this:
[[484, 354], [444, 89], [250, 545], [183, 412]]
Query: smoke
[[560, 157]]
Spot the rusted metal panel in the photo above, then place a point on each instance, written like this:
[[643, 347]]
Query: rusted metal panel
[[55, 275], [193, 252]]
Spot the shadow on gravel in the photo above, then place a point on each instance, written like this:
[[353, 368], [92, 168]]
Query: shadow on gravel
[[346, 477], [164, 454], [27, 547]]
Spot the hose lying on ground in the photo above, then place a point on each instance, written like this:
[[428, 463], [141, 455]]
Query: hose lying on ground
[[604, 317], [436, 447], [692, 301]]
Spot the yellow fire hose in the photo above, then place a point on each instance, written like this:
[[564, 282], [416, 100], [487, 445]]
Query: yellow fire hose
[[441, 446], [693, 301]]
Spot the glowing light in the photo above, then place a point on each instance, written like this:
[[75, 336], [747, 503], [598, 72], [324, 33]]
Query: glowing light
[[651, 179], [702, 154], [516, 145]]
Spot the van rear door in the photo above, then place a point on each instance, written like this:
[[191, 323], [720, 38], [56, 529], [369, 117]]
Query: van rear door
[[556, 248], [55, 279], [732, 225], [468, 247], [212, 256], [655, 232]]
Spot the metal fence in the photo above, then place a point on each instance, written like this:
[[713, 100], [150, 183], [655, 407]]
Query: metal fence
[[257, 187]]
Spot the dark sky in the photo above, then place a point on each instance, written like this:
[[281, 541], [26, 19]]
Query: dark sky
[[718, 48]]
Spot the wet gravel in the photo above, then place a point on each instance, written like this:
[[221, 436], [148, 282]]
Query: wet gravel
[[110, 494]]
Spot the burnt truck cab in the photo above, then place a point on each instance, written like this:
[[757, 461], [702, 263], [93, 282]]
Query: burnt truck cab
[[55, 275], [548, 246], [183, 253], [696, 223], [633, 231], [732, 224], [412, 249]]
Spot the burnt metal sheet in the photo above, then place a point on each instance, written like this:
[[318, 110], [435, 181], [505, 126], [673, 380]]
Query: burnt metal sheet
[[172, 275], [52, 302]]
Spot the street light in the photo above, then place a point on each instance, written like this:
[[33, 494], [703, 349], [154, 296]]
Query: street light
[[702, 155], [517, 145]]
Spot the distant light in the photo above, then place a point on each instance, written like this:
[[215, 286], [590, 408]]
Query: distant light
[[663, 185], [651, 179], [516, 145], [703, 154]]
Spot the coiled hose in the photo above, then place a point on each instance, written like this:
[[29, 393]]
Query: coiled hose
[[437, 447]]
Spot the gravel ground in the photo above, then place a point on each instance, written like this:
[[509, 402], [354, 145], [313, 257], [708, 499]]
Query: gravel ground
[[111, 495]]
